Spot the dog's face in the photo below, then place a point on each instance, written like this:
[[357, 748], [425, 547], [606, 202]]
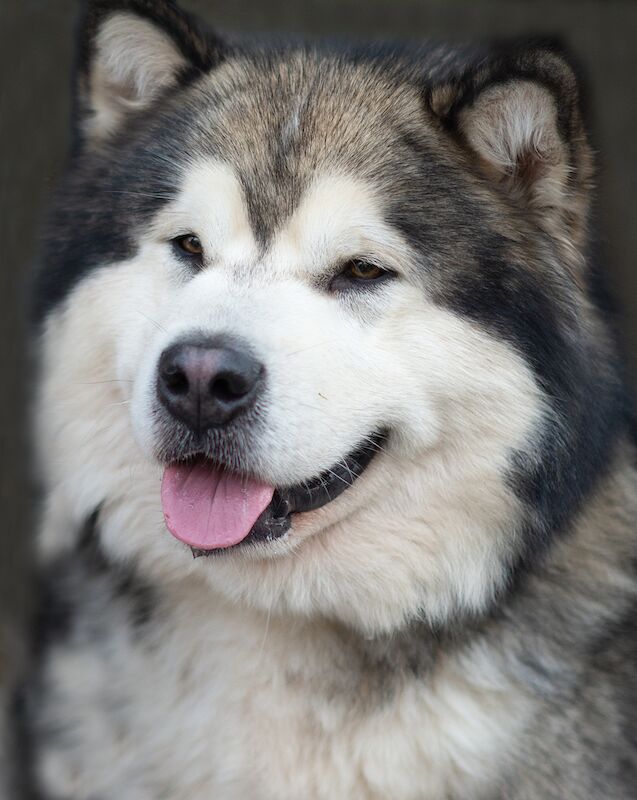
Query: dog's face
[[305, 311]]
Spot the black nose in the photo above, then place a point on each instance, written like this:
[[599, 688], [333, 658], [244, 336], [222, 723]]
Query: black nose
[[207, 382]]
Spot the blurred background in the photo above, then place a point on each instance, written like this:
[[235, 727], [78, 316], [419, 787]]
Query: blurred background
[[36, 48]]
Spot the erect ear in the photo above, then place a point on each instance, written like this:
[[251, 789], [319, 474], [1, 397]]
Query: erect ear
[[131, 52], [518, 113]]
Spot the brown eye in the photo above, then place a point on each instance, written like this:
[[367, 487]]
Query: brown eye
[[363, 271], [189, 244], [356, 273]]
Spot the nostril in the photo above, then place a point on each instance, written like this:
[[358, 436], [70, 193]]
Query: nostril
[[176, 380], [228, 387]]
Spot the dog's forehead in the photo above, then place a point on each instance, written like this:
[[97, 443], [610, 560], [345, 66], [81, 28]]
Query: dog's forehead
[[283, 127], [337, 215]]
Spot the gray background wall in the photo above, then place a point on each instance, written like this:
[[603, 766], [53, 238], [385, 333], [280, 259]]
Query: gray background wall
[[35, 60]]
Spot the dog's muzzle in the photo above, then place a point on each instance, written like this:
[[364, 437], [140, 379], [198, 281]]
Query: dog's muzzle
[[210, 387]]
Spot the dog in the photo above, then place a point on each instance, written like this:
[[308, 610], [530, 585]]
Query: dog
[[336, 445]]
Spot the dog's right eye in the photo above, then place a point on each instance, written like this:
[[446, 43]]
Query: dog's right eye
[[190, 245]]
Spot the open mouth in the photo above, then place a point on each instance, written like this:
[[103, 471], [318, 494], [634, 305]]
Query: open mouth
[[212, 509]]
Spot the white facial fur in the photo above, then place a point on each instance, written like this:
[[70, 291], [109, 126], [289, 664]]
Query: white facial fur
[[423, 531]]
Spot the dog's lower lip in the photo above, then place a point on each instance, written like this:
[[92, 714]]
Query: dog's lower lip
[[275, 520]]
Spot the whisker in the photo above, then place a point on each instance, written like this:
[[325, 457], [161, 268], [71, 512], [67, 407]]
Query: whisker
[[152, 321], [340, 478], [97, 383], [346, 466], [310, 347], [265, 634], [154, 196]]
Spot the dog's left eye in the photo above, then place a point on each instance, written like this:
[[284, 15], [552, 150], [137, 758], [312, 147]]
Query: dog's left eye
[[358, 271], [363, 271]]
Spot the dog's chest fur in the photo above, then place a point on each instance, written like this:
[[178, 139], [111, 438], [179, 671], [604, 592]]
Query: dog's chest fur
[[203, 700]]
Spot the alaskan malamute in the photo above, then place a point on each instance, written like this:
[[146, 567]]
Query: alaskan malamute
[[341, 498]]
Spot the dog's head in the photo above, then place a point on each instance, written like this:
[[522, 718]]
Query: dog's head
[[322, 314]]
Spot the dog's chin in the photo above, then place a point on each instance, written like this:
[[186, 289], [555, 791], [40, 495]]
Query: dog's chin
[[276, 519]]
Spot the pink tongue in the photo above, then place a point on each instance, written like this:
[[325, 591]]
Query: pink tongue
[[207, 508]]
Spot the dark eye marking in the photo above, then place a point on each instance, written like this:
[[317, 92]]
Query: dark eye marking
[[357, 273]]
